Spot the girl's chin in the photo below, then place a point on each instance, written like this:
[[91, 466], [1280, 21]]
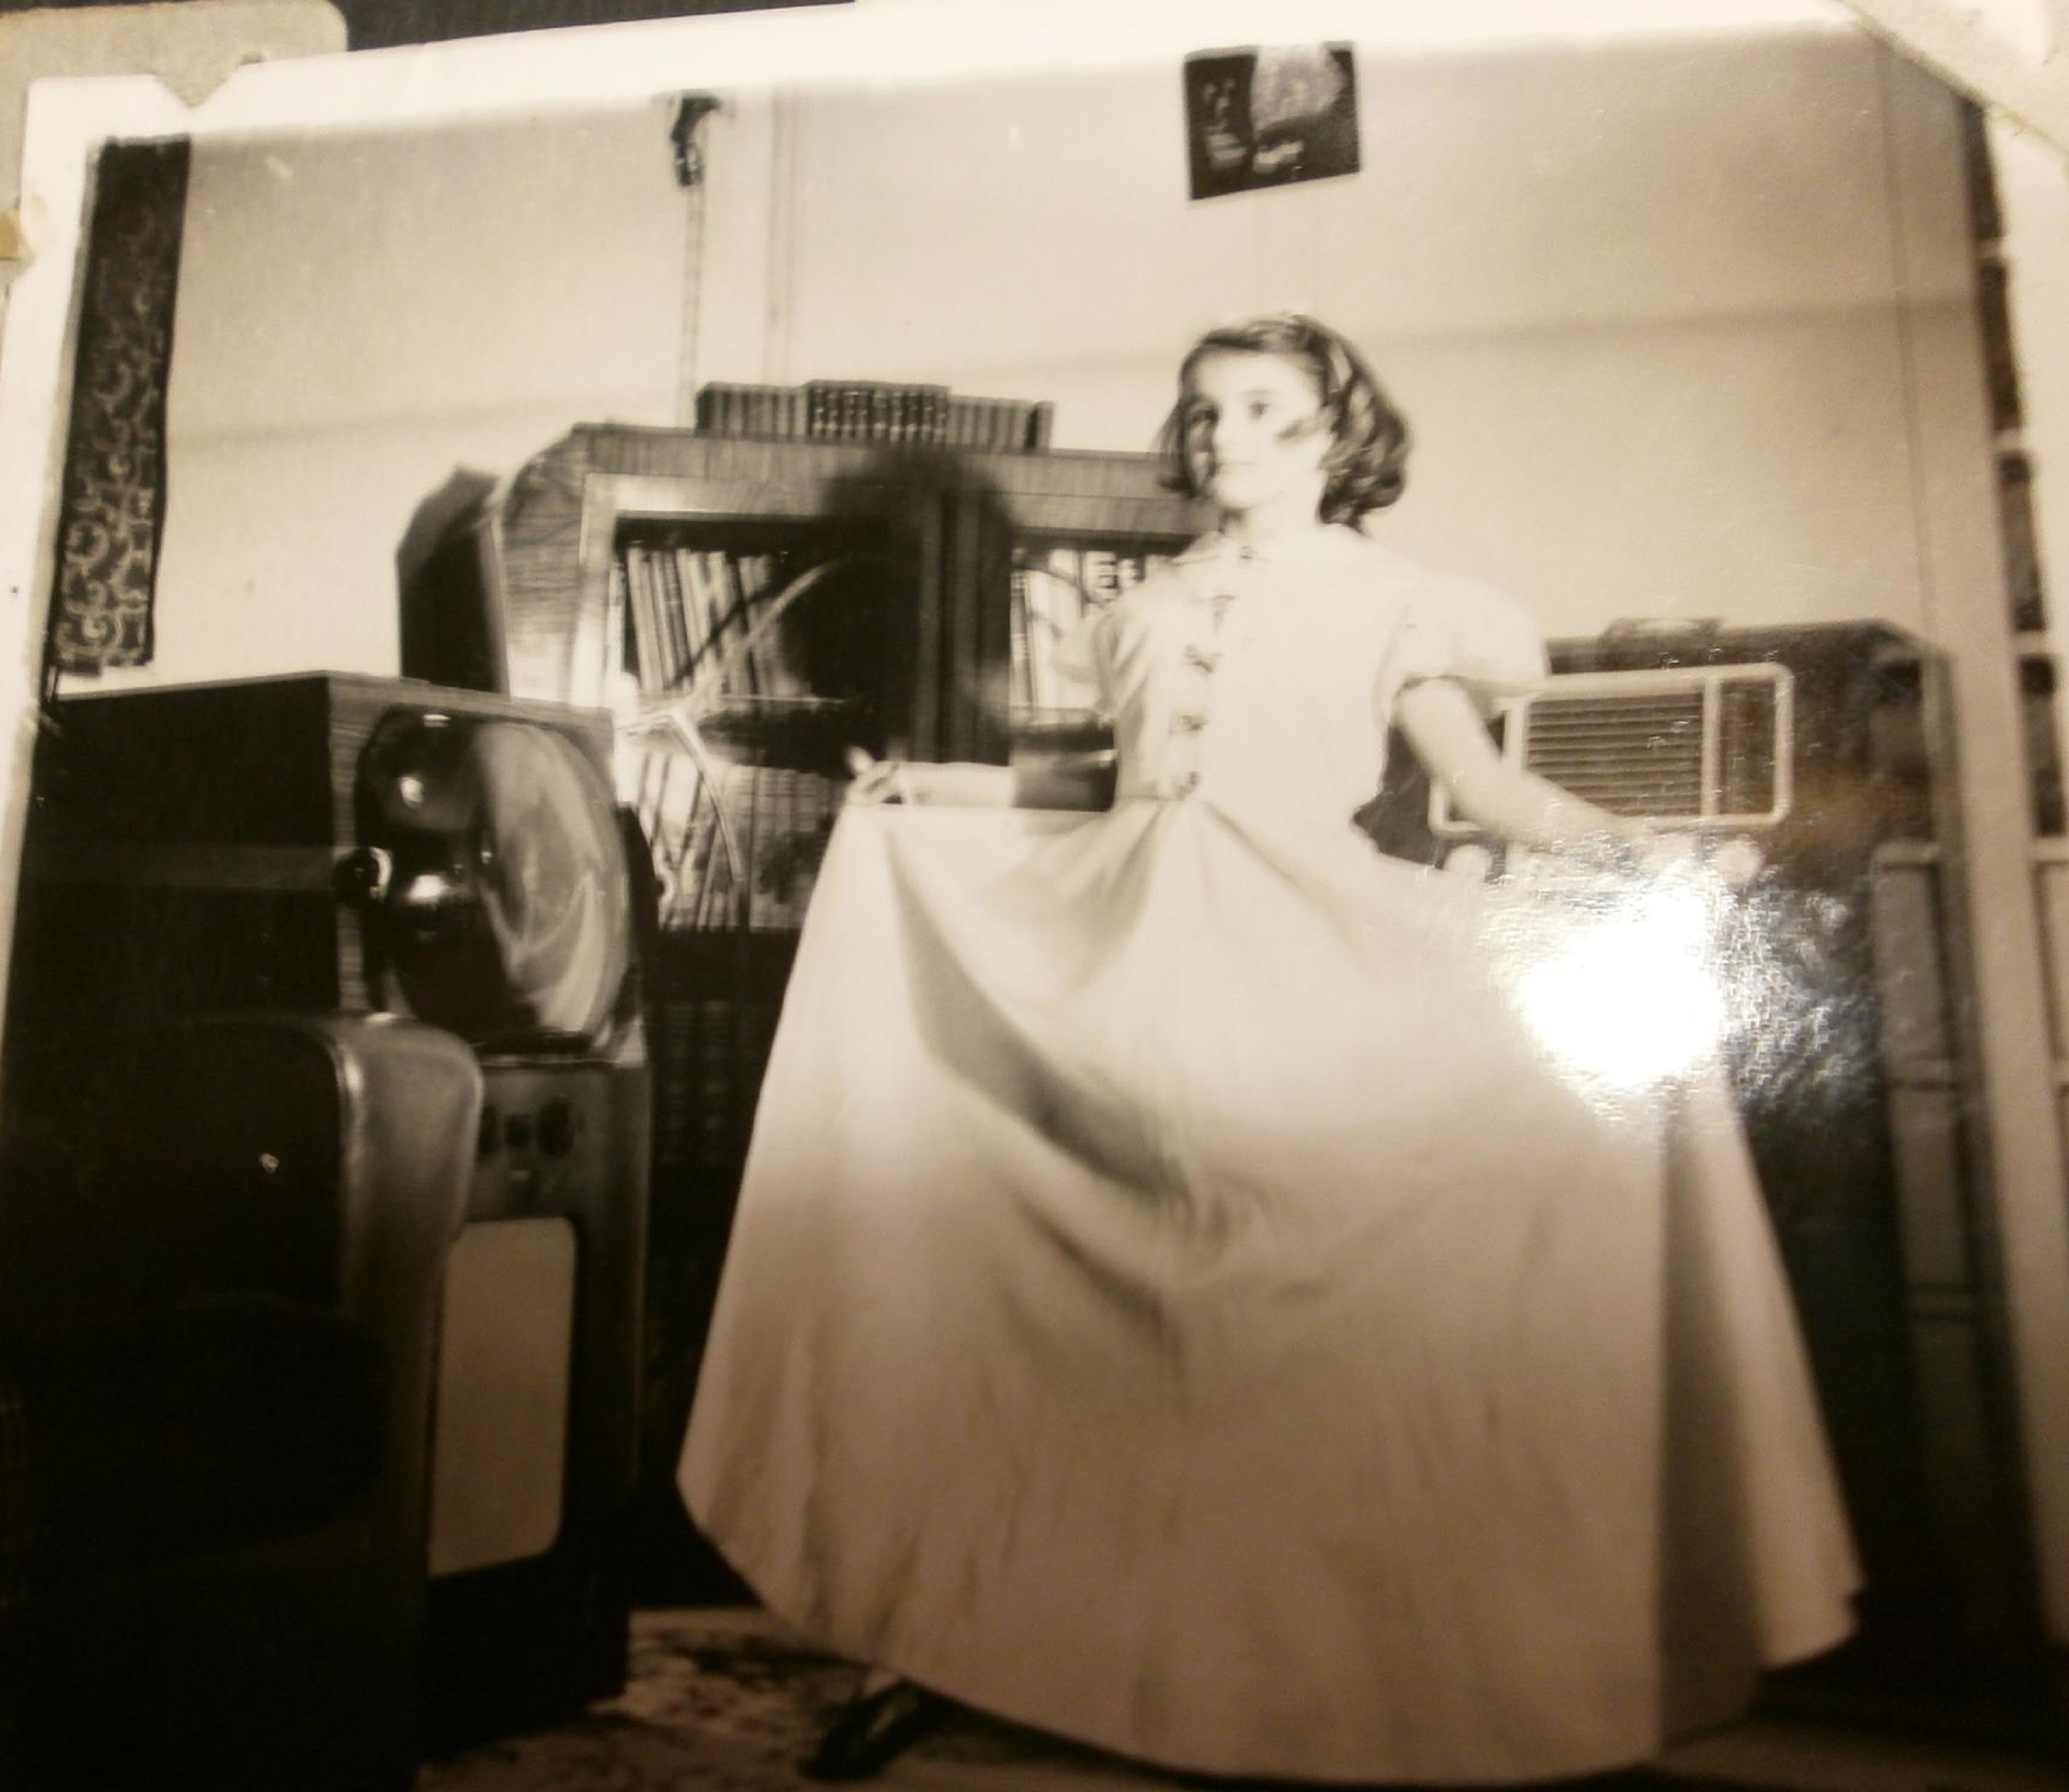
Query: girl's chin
[[1244, 500]]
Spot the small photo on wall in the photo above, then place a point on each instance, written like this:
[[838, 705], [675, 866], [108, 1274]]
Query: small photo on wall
[[1270, 115]]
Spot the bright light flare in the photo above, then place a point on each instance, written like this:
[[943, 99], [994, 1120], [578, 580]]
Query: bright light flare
[[1628, 993]]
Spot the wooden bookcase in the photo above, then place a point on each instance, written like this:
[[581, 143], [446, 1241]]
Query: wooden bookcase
[[869, 594], [752, 609]]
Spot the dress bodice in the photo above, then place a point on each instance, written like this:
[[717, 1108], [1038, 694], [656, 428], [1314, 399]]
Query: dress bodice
[[1268, 675]]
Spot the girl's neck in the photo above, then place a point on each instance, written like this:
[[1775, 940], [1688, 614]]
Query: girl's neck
[[1267, 523]]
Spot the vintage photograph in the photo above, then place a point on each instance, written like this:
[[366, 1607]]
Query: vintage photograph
[[846, 948], [1270, 115]]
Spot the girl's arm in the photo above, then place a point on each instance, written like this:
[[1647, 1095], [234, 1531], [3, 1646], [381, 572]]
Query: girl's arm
[[1451, 740], [1059, 784]]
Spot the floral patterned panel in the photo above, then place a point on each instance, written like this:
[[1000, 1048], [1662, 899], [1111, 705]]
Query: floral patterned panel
[[114, 496]]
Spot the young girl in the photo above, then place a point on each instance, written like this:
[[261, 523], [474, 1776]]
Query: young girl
[[1180, 1298]]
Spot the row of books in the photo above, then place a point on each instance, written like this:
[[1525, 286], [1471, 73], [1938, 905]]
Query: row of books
[[683, 613], [780, 817], [876, 410], [1054, 590]]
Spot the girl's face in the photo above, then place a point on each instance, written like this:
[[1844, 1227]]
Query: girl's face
[[1255, 435]]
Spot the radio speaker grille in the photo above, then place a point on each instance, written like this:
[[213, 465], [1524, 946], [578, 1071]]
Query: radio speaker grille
[[1695, 747]]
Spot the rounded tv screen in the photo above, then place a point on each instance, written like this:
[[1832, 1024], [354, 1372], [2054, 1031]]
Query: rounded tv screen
[[505, 914]]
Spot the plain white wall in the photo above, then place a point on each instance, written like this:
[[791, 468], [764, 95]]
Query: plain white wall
[[359, 317], [1642, 304], [1646, 305]]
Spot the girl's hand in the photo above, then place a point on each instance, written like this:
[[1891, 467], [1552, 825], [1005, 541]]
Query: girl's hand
[[877, 781], [1736, 860]]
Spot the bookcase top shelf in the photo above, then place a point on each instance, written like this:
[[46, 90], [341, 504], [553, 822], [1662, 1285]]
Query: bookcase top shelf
[[876, 410], [548, 534]]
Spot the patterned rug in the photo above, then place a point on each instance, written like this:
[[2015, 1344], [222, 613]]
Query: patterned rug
[[729, 1700]]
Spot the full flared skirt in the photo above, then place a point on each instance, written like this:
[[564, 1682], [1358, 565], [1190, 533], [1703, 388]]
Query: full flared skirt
[[1179, 1299]]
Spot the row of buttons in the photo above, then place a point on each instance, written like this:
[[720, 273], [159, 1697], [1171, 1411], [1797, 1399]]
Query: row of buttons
[[1203, 660]]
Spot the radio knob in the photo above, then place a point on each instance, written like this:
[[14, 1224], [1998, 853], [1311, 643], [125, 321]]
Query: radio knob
[[557, 1127]]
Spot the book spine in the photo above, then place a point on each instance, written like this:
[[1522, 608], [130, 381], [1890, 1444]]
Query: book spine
[[618, 646], [732, 601], [646, 622], [718, 625], [715, 880], [820, 797], [680, 803], [696, 610], [700, 850], [669, 591], [779, 853], [774, 673], [771, 880], [1020, 693], [796, 846], [747, 815], [650, 782]]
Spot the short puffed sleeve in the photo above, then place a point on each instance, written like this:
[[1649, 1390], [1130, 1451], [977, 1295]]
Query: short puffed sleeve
[[1079, 665], [1477, 637]]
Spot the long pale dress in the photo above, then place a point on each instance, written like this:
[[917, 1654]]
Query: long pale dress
[[1182, 1298]]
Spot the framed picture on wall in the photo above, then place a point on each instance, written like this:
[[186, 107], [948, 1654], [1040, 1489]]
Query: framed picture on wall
[[1271, 117]]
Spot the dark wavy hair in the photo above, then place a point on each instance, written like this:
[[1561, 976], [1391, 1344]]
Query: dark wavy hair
[[1367, 462]]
